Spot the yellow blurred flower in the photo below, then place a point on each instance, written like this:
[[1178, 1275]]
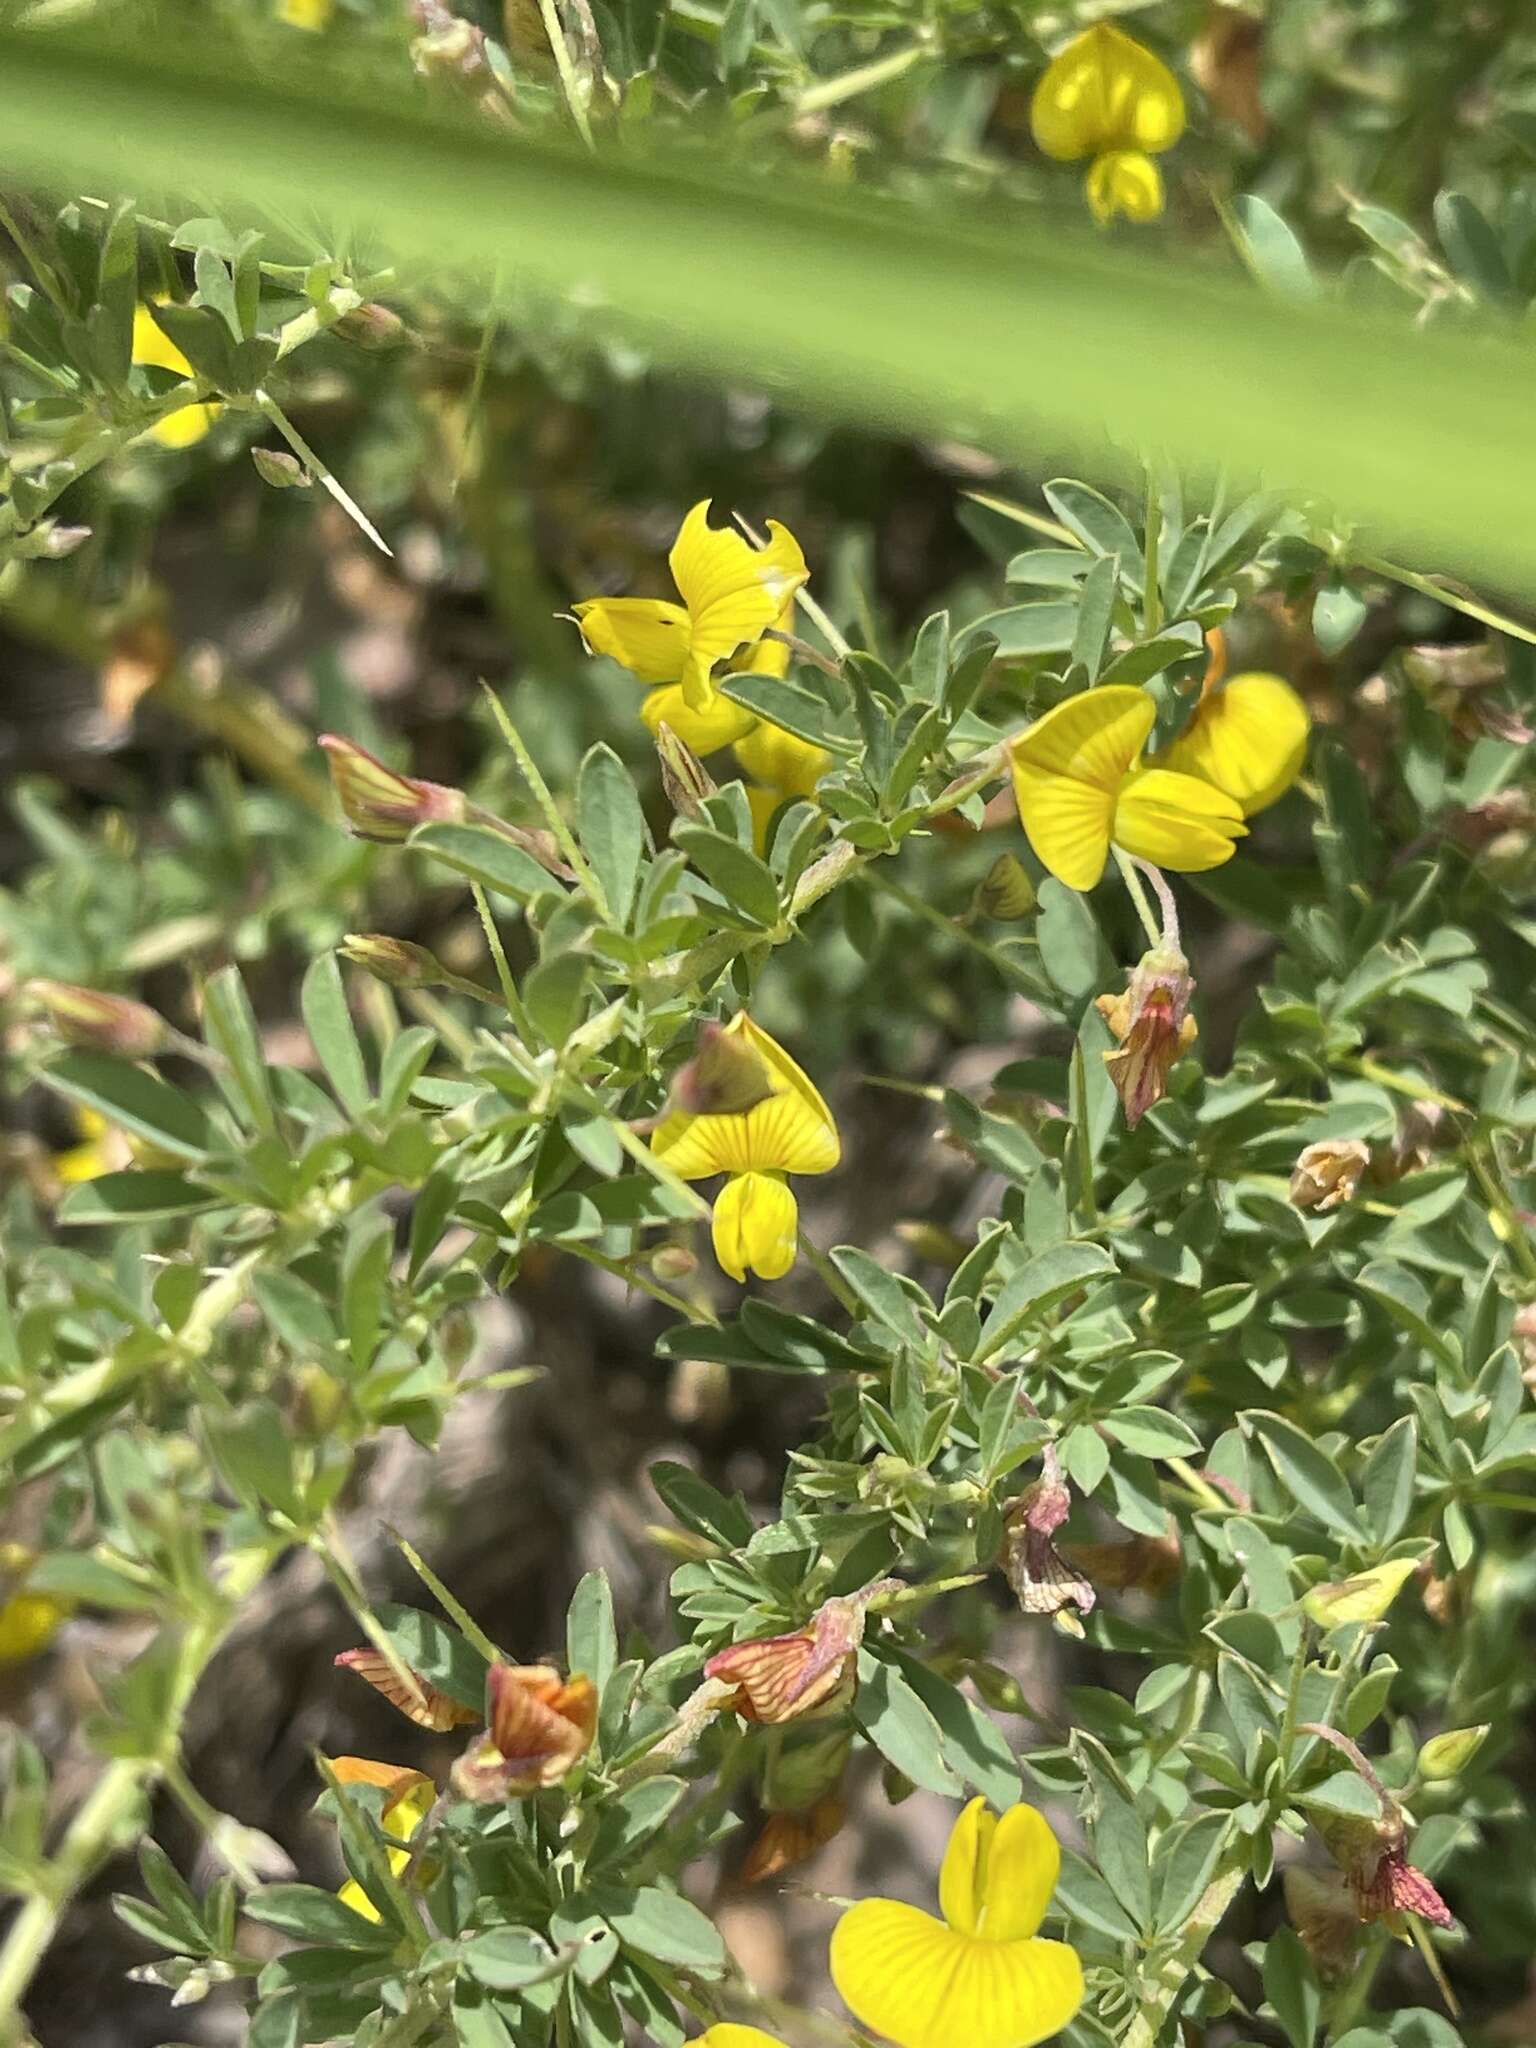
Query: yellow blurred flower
[[102, 1149], [756, 1218], [732, 593], [28, 1621], [1248, 738], [1081, 788], [409, 1799], [1106, 97], [981, 1976], [153, 348], [308, 14]]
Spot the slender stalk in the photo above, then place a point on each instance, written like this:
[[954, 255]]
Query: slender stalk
[[831, 92], [570, 84], [550, 810], [509, 994], [1138, 896], [1152, 594]]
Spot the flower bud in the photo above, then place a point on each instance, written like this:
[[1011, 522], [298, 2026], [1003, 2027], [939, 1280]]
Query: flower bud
[[1152, 1023], [673, 1262], [284, 472], [727, 1075], [1363, 1598], [684, 778], [1447, 1755], [380, 804], [372, 326], [1327, 1174], [101, 1023], [1005, 893], [50, 542], [395, 961]]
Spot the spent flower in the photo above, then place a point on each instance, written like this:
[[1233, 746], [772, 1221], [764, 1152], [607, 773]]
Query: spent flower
[[1327, 1174], [781, 1678], [428, 1706], [540, 1728], [1043, 1581], [1152, 1026]]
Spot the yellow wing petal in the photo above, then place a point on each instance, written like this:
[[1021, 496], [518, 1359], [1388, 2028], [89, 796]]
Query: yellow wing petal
[[1023, 1864], [1093, 737], [922, 1985], [756, 1226], [153, 347], [1124, 181], [648, 635], [792, 1132], [1177, 821], [962, 1875], [1068, 823], [782, 761], [1249, 738], [706, 731]]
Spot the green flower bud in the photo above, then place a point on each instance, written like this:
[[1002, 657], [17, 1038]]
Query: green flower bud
[[1447, 1755]]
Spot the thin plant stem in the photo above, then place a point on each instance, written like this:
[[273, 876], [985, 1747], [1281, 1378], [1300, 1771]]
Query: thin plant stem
[[509, 992], [550, 810], [1166, 902], [570, 85], [1152, 593], [1138, 896]]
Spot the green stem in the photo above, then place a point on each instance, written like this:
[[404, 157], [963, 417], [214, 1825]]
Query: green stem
[[570, 85], [1152, 593], [831, 92], [1139, 897], [549, 809], [509, 995], [1161, 1987]]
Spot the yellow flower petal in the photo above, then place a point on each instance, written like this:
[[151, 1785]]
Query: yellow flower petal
[[1104, 91], [706, 731], [1068, 824], [962, 1875], [1248, 738], [923, 1985], [737, 2037], [307, 14], [153, 347], [733, 591], [782, 761], [791, 1132], [1023, 1863], [1177, 821], [755, 1228], [184, 427], [1093, 737], [649, 635], [769, 657], [1124, 181], [28, 1624], [403, 1815], [762, 803]]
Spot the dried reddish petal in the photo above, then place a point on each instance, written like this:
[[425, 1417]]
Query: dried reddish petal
[[1396, 1887], [434, 1709], [396, 1779], [779, 1676], [540, 1725]]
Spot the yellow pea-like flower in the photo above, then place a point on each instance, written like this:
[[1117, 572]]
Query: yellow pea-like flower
[[727, 2036], [154, 348], [791, 1130], [313, 15], [731, 594], [1081, 788], [409, 1799], [782, 766], [102, 1149], [981, 1976], [1106, 97], [1248, 738], [28, 1624]]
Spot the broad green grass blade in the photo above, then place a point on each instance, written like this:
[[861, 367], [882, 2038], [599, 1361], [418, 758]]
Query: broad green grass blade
[[1012, 332]]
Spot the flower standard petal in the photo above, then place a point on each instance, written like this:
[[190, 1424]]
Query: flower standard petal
[[1177, 821], [962, 1875], [1105, 91], [1022, 1865], [1067, 771], [923, 1985], [648, 635], [755, 1226], [733, 591], [1249, 738]]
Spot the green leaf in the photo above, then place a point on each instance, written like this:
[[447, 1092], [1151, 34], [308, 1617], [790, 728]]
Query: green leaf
[[328, 1021], [147, 1196], [1405, 1300], [1152, 1433], [1099, 525], [1344, 1792], [664, 1926], [1311, 1479], [309, 1914], [612, 827], [229, 1025], [591, 1639], [1117, 1829], [1072, 949], [1187, 1854], [1291, 1986], [779, 701], [1038, 1286], [974, 1746], [899, 1725], [742, 879], [137, 1101], [881, 1293], [483, 856], [438, 1652], [1276, 255], [555, 995], [507, 1958], [255, 1453], [631, 1817], [699, 1507], [1096, 612], [1387, 1483]]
